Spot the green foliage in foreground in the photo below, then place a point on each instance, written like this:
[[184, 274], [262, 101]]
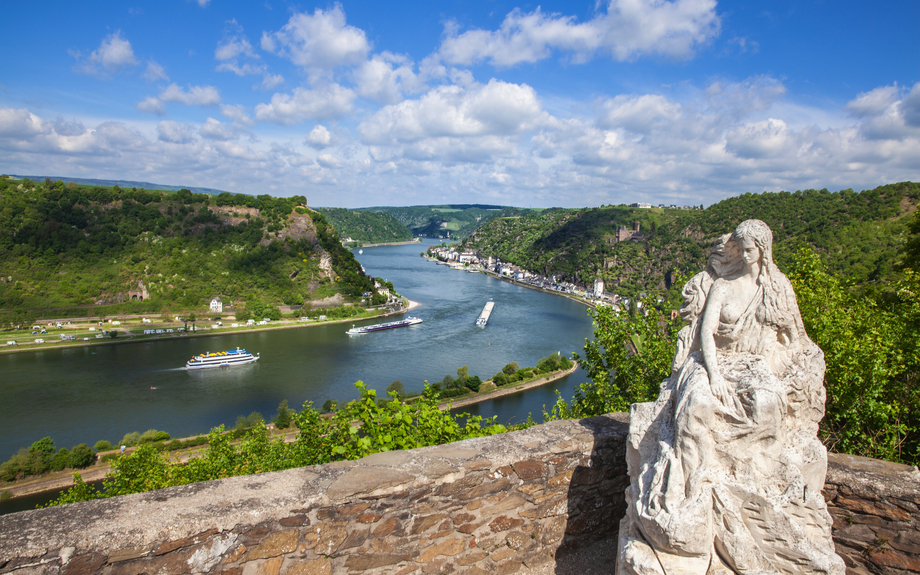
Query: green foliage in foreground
[[873, 361], [359, 428], [872, 356]]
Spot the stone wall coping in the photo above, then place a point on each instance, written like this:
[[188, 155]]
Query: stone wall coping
[[143, 519], [873, 477]]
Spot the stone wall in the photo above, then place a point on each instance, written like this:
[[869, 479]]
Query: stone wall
[[500, 504]]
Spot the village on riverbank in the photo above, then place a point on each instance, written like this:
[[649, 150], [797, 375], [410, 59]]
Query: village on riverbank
[[474, 263]]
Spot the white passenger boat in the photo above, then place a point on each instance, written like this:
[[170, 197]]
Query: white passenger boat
[[383, 326], [221, 359]]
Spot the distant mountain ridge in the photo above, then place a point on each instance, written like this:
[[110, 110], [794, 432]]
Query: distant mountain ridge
[[122, 184]]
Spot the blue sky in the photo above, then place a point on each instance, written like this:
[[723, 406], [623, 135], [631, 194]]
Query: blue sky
[[553, 104]]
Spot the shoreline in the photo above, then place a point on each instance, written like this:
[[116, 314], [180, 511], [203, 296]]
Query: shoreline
[[281, 324], [509, 390]]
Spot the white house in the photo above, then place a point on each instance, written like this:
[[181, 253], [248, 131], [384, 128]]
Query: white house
[[217, 306], [598, 287]]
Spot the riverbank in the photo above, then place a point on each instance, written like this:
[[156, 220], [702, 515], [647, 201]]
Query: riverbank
[[509, 389], [123, 339]]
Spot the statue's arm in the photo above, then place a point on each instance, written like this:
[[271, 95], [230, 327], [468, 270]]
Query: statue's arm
[[710, 323]]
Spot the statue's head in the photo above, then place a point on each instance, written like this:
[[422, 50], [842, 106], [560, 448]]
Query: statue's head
[[757, 232]]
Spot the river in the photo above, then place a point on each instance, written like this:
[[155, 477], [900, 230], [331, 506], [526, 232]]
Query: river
[[82, 395]]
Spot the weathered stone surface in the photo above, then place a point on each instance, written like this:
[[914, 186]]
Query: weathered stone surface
[[449, 547], [321, 566], [388, 527], [206, 555], [274, 545], [528, 470], [355, 538], [236, 553], [504, 523], [184, 542], [325, 538], [374, 560], [360, 480], [126, 554], [295, 521], [271, 566], [89, 563], [426, 522]]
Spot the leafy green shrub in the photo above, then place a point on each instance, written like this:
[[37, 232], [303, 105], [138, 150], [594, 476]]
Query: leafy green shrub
[[103, 445], [81, 456], [511, 368], [130, 439], [61, 460]]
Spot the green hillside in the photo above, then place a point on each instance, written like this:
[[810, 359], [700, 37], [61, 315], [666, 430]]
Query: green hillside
[[366, 227], [64, 245], [859, 235]]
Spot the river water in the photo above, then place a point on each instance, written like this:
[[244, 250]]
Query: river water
[[82, 395]]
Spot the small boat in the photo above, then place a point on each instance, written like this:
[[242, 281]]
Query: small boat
[[221, 359], [382, 326]]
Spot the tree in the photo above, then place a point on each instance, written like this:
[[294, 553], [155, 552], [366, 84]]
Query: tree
[[473, 383], [81, 456], [398, 387], [627, 360], [103, 445], [283, 419], [871, 407], [511, 368]]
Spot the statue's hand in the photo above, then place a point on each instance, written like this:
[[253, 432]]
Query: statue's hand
[[720, 388]]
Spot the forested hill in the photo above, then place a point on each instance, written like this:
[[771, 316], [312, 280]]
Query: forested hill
[[68, 245], [366, 227], [457, 220], [858, 235]]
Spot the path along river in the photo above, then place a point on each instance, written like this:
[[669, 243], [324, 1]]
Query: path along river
[[82, 395]]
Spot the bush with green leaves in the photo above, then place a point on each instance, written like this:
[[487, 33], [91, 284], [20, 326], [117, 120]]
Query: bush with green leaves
[[359, 428], [103, 445]]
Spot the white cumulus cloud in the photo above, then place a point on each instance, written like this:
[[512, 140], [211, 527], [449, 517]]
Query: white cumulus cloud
[[193, 96], [174, 132], [155, 72], [327, 102], [498, 108], [319, 137], [113, 54], [628, 29], [215, 130], [318, 42]]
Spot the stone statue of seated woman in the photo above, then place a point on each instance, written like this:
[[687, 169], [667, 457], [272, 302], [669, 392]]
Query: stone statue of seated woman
[[726, 468]]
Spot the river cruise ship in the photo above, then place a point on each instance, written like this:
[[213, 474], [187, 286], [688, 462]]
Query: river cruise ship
[[221, 359], [382, 326]]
